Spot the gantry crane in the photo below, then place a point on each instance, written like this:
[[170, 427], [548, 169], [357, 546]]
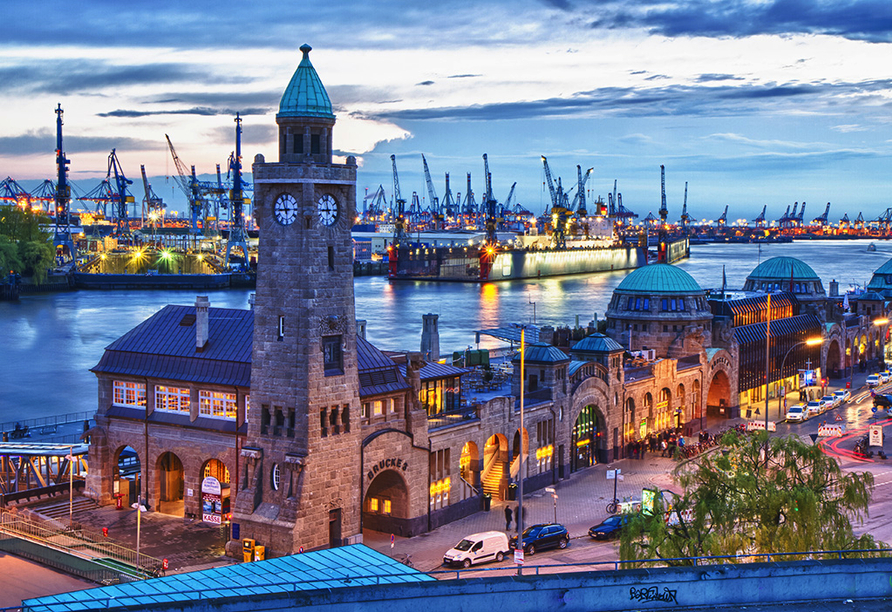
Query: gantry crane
[[13, 194], [434, 204], [374, 204], [801, 214], [559, 208], [469, 209], [196, 191], [121, 195], [238, 237], [152, 205], [578, 204], [723, 219], [489, 208], [685, 217], [822, 220], [62, 234], [760, 220], [449, 204], [664, 212], [400, 236]]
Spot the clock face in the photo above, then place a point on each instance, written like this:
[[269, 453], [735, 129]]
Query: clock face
[[285, 209], [328, 210]]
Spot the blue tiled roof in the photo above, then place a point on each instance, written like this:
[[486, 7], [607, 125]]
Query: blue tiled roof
[[660, 278], [344, 567], [597, 343], [305, 95], [542, 353]]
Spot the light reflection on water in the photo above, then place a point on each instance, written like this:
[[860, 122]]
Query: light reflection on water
[[50, 341]]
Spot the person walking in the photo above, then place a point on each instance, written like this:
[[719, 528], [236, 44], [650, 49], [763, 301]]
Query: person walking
[[508, 517]]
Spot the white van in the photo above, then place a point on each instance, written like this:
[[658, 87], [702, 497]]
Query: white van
[[478, 548]]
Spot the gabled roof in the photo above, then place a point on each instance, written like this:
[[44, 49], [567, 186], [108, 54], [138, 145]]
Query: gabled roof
[[163, 346], [378, 374]]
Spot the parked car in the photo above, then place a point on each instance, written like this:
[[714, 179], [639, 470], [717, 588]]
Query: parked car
[[843, 395], [830, 401], [610, 527], [796, 413], [885, 377], [537, 537], [813, 408], [873, 381], [478, 548]]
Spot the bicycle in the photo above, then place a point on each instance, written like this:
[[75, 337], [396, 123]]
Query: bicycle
[[613, 506], [406, 559]]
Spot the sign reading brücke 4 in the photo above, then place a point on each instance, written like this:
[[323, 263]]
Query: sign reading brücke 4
[[398, 464]]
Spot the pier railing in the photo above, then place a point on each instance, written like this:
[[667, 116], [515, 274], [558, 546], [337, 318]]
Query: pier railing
[[36, 425]]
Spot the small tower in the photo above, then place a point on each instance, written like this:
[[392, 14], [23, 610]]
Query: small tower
[[430, 337], [296, 489]]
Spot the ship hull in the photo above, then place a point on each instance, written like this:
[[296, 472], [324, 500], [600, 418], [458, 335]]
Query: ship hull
[[470, 264], [84, 280]]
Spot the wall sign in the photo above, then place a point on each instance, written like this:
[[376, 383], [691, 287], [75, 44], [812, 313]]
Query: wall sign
[[384, 464]]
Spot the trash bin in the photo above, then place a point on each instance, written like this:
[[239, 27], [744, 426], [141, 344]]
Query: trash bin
[[512, 491], [487, 501], [848, 384]]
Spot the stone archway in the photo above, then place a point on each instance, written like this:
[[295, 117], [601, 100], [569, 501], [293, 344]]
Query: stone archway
[[171, 484], [495, 467], [585, 437], [127, 475], [516, 452], [386, 504], [469, 470], [833, 360], [718, 398]]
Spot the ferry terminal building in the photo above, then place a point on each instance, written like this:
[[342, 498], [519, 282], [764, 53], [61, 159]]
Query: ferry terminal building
[[314, 434]]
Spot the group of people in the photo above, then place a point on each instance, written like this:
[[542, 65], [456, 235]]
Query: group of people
[[513, 515], [663, 443]]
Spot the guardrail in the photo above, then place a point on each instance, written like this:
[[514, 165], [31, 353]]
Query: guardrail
[[59, 419]]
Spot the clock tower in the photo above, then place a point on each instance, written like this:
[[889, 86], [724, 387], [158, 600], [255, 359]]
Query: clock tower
[[299, 476]]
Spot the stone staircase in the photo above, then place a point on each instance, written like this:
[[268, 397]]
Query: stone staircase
[[492, 480], [57, 509]]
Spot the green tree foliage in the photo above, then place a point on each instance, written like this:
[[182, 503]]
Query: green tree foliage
[[36, 258], [9, 257], [24, 246], [22, 224], [734, 502]]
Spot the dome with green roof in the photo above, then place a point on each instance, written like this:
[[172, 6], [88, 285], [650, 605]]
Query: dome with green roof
[[305, 95], [659, 278], [786, 274], [783, 269]]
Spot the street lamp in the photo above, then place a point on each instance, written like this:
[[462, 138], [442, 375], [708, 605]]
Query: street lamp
[[809, 342], [140, 508], [520, 468], [882, 321]]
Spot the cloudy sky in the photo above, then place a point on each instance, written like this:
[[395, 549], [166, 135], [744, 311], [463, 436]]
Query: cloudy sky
[[753, 103]]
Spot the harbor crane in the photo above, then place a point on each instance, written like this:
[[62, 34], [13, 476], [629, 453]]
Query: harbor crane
[[434, 203], [723, 220], [578, 203], [559, 208], [374, 204], [13, 194], [469, 209], [664, 212], [489, 208], [844, 223], [196, 191], [685, 217], [449, 204], [62, 204], [801, 214], [238, 236], [510, 205], [760, 220], [152, 205], [400, 236], [784, 217], [822, 220], [121, 196], [45, 193], [859, 221]]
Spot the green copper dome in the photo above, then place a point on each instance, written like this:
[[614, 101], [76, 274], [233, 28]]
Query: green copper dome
[[305, 95], [783, 269], [597, 343], [659, 278]]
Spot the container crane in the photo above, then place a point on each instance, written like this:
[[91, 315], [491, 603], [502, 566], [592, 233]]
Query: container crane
[[449, 204], [14, 194], [801, 214], [510, 205], [188, 185], [578, 203], [121, 196], [723, 220], [238, 237], [664, 212], [822, 220], [469, 208], [685, 217], [784, 217], [760, 220], [434, 204], [400, 236], [152, 205], [374, 204], [844, 223], [489, 208], [62, 231], [559, 211]]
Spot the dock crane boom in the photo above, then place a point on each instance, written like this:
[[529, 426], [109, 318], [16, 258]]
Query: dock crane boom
[[188, 185], [448, 207], [151, 203], [238, 237], [400, 235], [685, 217], [822, 220], [489, 207], [664, 212], [62, 231], [760, 220], [121, 196], [434, 200], [554, 199], [578, 203], [509, 201], [723, 220]]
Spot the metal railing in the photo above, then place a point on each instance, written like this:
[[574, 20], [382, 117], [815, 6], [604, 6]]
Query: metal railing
[[209, 594], [78, 542], [58, 419]]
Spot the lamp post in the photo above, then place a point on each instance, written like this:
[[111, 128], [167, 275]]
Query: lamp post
[[140, 508], [520, 466], [881, 322], [809, 342]]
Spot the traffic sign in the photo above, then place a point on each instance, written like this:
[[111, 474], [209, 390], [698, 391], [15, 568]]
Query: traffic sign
[[518, 556], [873, 408]]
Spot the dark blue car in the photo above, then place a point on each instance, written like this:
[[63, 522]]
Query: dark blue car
[[610, 527], [538, 537]]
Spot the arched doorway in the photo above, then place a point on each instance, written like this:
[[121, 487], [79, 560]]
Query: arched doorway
[[171, 485], [495, 467], [469, 469], [631, 428], [386, 504], [664, 409], [833, 360], [127, 475], [718, 398], [583, 443], [515, 455], [215, 470]]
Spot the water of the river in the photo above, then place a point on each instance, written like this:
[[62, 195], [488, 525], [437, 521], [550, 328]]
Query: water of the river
[[50, 341]]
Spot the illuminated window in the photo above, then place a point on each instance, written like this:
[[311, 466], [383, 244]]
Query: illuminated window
[[216, 404], [377, 408], [129, 393], [387, 506], [373, 504], [173, 399]]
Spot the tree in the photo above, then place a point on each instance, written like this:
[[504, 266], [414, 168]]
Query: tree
[[9, 257], [736, 502], [36, 256]]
